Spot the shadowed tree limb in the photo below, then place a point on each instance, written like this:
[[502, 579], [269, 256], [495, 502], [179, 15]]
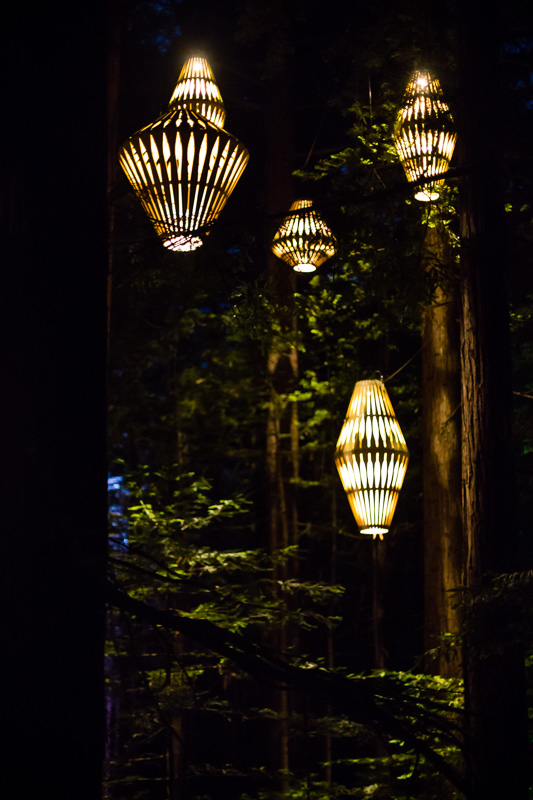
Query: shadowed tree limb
[[364, 700]]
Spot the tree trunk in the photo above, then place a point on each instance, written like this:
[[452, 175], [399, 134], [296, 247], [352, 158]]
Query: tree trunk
[[379, 563], [282, 425], [53, 351], [494, 673], [441, 397], [175, 756], [116, 24]]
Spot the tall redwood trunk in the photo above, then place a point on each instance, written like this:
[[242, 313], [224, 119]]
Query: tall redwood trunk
[[282, 424], [494, 670], [441, 397]]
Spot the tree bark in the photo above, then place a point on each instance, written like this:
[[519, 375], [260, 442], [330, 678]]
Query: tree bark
[[441, 398], [282, 424], [494, 673]]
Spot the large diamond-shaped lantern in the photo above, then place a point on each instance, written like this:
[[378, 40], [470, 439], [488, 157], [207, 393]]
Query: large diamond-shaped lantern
[[371, 457], [424, 134], [303, 240], [184, 166]]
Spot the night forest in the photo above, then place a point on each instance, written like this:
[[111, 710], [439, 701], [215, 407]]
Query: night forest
[[190, 609]]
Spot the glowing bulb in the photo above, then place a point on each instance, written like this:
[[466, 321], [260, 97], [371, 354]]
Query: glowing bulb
[[183, 244]]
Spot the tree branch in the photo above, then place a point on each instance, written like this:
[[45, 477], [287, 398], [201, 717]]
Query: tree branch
[[361, 699]]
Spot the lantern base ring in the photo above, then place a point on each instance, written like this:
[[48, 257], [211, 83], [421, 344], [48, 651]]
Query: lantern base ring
[[183, 243], [305, 267], [374, 531], [426, 195]]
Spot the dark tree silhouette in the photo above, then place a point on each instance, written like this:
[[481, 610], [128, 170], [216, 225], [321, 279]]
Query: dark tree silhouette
[[53, 484]]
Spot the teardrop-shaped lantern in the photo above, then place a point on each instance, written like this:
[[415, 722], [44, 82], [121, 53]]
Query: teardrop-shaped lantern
[[424, 134], [303, 240], [183, 167], [371, 457]]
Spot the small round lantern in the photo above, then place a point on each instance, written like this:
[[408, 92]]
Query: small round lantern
[[303, 240], [424, 134], [183, 166], [371, 457]]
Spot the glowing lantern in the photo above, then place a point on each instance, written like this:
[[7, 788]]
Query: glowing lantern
[[184, 166], [424, 134], [371, 457], [303, 240]]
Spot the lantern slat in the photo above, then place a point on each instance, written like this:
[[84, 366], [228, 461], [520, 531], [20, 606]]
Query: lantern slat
[[424, 134], [371, 457], [303, 240]]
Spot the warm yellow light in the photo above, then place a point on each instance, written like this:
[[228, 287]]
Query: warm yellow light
[[303, 240], [304, 268], [424, 134], [196, 90], [183, 244], [183, 166], [371, 457]]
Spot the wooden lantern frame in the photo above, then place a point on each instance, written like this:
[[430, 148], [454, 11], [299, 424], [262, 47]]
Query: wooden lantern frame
[[424, 134], [183, 167], [303, 240], [371, 457]]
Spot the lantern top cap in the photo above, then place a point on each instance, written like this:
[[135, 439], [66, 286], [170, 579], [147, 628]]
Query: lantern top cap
[[197, 90], [299, 204], [423, 82], [370, 382], [423, 98], [196, 66], [422, 79], [308, 211]]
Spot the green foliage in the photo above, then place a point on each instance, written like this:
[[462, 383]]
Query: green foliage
[[157, 548], [190, 397]]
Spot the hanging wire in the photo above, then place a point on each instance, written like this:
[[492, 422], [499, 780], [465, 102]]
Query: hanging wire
[[393, 375], [310, 153], [390, 377]]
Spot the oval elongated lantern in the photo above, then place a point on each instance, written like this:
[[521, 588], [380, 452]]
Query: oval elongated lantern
[[183, 167], [424, 134], [371, 457], [303, 239]]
